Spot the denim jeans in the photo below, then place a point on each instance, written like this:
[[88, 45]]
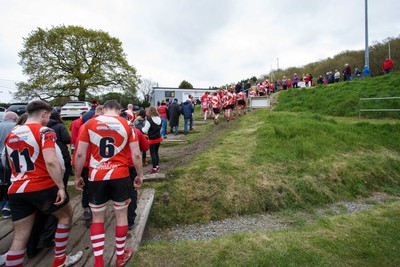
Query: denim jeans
[[175, 129], [185, 125], [191, 122], [164, 127]]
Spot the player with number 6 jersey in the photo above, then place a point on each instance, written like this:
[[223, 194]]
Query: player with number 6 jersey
[[108, 139]]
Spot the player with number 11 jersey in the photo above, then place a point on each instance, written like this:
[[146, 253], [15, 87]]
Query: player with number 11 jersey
[[24, 145]]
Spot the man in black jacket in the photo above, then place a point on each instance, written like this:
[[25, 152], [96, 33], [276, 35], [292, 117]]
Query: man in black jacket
[[174, 113]]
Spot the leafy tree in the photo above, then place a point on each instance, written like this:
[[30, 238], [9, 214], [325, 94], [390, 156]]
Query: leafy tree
[[123, 98], [185, 85], [72, 61], [146, 88]]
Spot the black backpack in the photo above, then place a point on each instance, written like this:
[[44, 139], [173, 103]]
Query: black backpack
[[140, 124]]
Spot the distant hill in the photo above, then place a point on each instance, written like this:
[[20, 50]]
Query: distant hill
[[342, 99], [378, 52]]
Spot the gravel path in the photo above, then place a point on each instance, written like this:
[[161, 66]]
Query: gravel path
[[261, 222]]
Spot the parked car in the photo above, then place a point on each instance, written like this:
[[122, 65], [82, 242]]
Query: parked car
[[2, 111], [19, 108], [73, 109]]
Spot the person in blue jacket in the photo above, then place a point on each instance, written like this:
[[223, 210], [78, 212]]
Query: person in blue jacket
[[186, 110]]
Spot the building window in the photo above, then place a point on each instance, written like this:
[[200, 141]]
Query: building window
[[169, 94]]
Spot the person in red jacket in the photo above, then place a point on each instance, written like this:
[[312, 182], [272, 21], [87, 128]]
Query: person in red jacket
[[163, 112], [387, 66], [74, 128], [143, 146]]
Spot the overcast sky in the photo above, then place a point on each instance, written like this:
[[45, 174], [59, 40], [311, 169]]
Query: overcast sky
[[206, 42]]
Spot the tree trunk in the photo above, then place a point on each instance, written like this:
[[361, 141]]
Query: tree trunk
[[82, 92]]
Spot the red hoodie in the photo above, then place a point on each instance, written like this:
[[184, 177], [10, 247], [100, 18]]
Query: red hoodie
[[143, 146]]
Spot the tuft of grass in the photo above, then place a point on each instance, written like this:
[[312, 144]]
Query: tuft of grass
[[366, 238]]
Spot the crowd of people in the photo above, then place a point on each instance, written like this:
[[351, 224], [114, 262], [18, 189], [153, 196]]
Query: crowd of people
[[106, 146]]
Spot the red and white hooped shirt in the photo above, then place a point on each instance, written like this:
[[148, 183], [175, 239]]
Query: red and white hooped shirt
[[24, 146], [241, 96], [109, 138], [131, 115], [205, 101], [215, 102]]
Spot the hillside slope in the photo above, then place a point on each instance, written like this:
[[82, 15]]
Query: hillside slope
[[342, 99]]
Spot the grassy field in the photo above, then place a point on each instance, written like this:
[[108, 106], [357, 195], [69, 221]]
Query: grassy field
[[309, 151], [367, 238], [275, 160]]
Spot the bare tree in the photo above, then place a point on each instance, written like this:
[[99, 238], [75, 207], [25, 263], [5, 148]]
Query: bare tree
[[146, 89]]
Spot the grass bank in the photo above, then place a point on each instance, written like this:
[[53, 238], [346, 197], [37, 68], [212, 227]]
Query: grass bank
[[342, 99], [367, 238], [274, 160]]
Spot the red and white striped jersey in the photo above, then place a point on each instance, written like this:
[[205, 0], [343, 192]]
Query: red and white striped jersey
[[109, 138], [231, 98], [131, 115], [241, 96], [205, 101], [24, 146], [215, 102]]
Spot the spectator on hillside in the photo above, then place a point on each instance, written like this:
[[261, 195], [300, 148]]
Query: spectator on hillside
[[320, 80], [330, 76], [295, 80], [289, 83], [387, 66], [307, 80], [174, 113], [337, 76], [366, 72], [325, 80], [357, 73], [284, 83], [347, 72], [279, 84]]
